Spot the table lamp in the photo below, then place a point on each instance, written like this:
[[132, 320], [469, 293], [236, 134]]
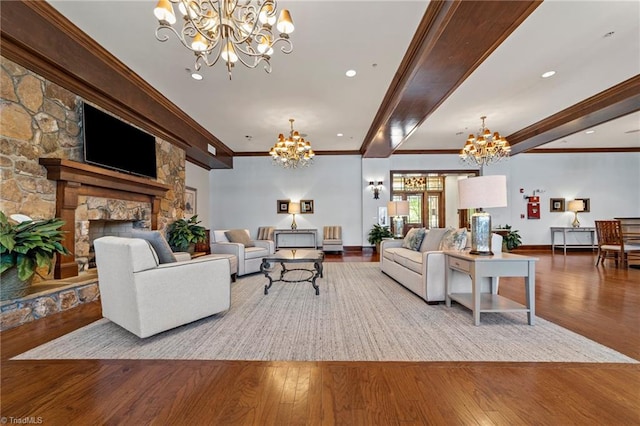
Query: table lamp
[[478, 193], [294, 208], [576, 206], [397, 209]]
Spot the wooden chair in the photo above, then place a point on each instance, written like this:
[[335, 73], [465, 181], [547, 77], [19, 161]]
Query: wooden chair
[[611, 243]]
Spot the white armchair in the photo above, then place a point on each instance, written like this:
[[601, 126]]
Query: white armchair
[[146, 297], [248, 252]]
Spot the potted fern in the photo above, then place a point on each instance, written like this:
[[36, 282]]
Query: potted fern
[[184, 234], [379, 233], [24, 248]]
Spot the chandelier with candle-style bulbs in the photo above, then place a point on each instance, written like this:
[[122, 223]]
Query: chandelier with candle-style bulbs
[[485, 148], [292, 152], [214, 29]]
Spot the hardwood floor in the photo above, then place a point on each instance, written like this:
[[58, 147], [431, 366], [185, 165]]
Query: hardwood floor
[[600, 303]]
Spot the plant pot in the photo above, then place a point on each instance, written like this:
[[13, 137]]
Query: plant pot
[[11, 287]]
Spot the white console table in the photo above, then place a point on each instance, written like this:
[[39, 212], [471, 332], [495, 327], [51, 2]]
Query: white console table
[[497, 265], [565, 230], [295, 238]]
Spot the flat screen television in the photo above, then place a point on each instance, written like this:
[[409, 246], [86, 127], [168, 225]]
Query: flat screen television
[[114, 144]]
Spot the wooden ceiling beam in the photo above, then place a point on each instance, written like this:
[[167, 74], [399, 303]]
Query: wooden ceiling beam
[[452, 40]]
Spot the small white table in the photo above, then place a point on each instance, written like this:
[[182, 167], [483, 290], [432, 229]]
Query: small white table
[[567, 229], [498, 265]]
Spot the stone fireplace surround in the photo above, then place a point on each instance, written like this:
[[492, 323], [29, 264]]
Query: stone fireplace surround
[[92, 201], [85, 192]]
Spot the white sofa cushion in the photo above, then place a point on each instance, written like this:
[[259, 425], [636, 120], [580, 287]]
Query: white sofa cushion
[[408, 258], [432, 239]]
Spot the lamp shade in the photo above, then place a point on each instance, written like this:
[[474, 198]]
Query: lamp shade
[[294, 208], [398, 208], [482, 192], [575, 206]]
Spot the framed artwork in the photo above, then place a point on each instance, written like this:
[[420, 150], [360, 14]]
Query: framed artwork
[[383, 218], [190, 201], [283, 206], [586, 203], [306, 206], [556, 205]]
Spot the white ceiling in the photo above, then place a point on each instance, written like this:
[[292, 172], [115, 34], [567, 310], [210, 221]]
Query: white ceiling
[[310, 85]]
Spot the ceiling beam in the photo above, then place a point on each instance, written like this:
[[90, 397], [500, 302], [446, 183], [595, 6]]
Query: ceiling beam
[[607, 105], [452, 40]]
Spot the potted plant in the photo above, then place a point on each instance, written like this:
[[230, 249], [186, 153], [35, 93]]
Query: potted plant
[[25, 247], [379, 233], [184, 234], [511, 240]]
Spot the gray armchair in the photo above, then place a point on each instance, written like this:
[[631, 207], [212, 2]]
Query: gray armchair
[[332, 238], [146, 297], [239, 243]]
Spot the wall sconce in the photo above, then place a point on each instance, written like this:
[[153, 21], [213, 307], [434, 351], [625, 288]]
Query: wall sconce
[[376, 189]]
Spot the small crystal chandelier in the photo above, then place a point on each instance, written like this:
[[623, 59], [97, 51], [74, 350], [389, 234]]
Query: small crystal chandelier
[[292, 152], [485, 149], [214, 29]]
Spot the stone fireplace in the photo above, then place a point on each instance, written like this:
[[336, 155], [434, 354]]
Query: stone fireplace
[[85, 193], [96, 217]]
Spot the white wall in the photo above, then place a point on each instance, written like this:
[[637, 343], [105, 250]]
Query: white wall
[[245, 197], [611, 182], [197, 177]]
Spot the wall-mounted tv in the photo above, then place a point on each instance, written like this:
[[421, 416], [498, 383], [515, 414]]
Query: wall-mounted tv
[[112, 143]]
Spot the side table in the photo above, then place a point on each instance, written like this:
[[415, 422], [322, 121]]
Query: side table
[[497, 265]]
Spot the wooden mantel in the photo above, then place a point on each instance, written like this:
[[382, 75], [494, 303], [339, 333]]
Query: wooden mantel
[[74, 179]]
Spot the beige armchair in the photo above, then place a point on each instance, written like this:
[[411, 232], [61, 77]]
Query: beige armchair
[[146, 297], [332, 238], [239, 243]]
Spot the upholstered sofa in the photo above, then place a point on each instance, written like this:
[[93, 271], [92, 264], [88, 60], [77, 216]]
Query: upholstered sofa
[[249, 252], [146, 297], [423, 271]]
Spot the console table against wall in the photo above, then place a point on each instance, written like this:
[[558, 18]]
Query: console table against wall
[[565, 231], [295, 238], [630, 229], [497, 265]]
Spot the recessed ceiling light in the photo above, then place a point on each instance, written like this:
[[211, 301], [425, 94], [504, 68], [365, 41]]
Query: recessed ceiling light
[[196, 76], [350, 73], [588, 132], [548, 74], [339, 135]]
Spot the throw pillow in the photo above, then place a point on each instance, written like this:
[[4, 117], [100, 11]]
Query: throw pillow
[[239, 236], [158, 242], [432, 239], [413, 239], [454, 239], [265, 233]]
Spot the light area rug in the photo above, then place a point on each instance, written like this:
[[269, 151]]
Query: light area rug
[[360, 315]]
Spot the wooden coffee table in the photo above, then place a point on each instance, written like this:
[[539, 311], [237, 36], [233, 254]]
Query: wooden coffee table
[[284, 257]]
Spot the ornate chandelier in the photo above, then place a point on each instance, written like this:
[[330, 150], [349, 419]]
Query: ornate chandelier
[[292, 152], [214, 29], [485, 149]]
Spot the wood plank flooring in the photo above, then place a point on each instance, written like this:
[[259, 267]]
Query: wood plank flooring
[[600, 303]]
